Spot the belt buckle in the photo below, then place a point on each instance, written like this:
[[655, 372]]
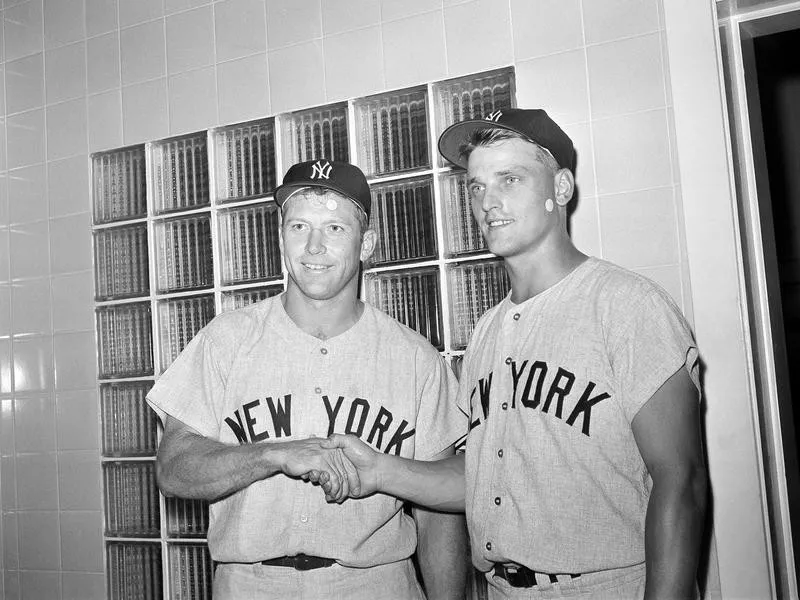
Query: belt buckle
[[518, 577]]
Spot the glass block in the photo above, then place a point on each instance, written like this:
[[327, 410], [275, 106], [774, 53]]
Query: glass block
[[241, 298], [125, 340], [184, 254], [121, 262], [392, 132], [130, 426], [179, 321], [474, 288], [404, 218], [134, 571], [245, 160], [315, 133], [473, 97], [119, 188], [249, 240], [462, 234], [191, 570], [131, 499], [179, 171], [411, 297], [186, 518]]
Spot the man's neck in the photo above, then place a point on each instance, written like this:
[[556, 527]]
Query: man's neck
[[323, 319], [531, 275]]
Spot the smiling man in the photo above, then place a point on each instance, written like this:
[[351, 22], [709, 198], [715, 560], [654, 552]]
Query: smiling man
[[584, 474], [247, 403]]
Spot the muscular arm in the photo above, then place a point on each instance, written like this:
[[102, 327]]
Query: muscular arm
[[438, 484], [190, 465], [442, 552], [667, 432]]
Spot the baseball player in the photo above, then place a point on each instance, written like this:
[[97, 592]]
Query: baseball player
[[584, 473], [247, 403]]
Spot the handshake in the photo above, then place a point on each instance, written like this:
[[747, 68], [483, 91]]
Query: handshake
[[342, 465]]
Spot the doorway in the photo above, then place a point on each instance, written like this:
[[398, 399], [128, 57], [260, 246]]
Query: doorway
[[762, 62]]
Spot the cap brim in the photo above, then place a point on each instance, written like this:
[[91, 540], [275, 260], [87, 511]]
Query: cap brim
[[458, 134], [283, 192]]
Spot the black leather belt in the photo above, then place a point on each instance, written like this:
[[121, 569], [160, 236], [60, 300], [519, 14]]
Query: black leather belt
[[519, 576], [301, 562]]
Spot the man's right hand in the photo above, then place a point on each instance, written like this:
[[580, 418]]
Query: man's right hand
[[361, 456], [314, 459]]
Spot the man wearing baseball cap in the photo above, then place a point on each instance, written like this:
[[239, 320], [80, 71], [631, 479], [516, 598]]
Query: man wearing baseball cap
[[248, 402], [584, 473]]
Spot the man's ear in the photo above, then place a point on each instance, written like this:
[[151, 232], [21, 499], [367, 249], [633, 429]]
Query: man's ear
[[368, 244], [280, 232], [564, 184]]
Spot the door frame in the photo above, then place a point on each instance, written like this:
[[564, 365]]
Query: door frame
[[739, 435]]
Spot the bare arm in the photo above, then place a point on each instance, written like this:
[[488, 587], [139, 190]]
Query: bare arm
[[190, 465], [442, 551], [667, 432], [438, 484]]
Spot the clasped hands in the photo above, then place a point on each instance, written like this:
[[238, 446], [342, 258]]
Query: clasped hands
[[342, 465]]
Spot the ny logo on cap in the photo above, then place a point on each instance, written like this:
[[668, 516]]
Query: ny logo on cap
[[495, 116], [321, 171]]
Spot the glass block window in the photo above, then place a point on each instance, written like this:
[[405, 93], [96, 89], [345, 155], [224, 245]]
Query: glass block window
[[130, 426], [131, 499], [186, 518], [315, 133], [404, 217], [241, 298], [183, 257], [474, 289], [393, 132], [179, 321], [125, 336], [119, 185], [462, 234], [411, 297], [122, 260], [472, 98], [186, 228], [191, 569], [180, 173], [249, 237], [134, 571], [245, 161]]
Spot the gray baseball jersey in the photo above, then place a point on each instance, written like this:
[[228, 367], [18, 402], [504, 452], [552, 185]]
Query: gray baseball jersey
[[252, 376], [555, 480]]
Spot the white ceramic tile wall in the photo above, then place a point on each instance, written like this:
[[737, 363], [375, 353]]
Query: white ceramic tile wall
[[86, 75]]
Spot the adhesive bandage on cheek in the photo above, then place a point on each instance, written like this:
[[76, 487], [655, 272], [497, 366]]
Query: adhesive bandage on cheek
[[548, 205]]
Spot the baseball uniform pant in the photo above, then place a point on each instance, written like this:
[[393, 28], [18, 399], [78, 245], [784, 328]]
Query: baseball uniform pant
[[395, 581], [614, 584]]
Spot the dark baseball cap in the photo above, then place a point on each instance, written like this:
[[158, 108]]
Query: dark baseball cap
[[341, 177], [532, 123]]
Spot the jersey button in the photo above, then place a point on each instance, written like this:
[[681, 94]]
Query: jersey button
[[317, 390], [516, 316], [504, 406], [500, 453], [508, 360], [323, 350], [489, 546], [304, 519], [497, 500]]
